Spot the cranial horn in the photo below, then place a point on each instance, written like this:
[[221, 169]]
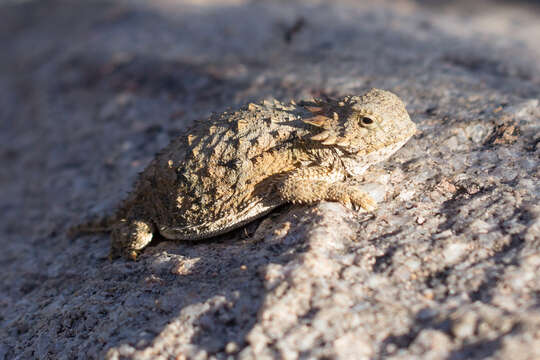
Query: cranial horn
[[321, 136], [331, 140], [319, 120], [314, 109]]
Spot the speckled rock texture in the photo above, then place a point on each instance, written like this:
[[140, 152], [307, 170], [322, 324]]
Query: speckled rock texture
[[446, 268]]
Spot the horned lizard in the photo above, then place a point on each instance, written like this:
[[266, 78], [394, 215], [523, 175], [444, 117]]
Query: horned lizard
[[225, 171]]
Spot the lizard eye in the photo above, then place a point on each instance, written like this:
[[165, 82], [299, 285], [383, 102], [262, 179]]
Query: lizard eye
[[367, 122]]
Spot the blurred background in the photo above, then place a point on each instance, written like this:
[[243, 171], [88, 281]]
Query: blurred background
[[90, 90]]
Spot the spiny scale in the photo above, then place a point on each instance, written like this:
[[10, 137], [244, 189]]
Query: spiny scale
[[238, 165]]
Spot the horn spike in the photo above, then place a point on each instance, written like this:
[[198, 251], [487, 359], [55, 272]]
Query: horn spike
[[331, 140], [314, 109], [318, 120], [321, 136]]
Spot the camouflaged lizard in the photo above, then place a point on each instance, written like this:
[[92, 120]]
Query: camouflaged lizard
[[225, 171]]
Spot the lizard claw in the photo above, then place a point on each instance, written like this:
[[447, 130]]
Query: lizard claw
[[362, 200]]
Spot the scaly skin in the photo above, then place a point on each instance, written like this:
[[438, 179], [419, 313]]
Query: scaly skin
[[234, 167]]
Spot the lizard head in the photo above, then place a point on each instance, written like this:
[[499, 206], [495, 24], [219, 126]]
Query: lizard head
[[367, 128]]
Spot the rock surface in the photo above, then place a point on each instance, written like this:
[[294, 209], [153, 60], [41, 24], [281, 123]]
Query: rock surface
[[445, 269]]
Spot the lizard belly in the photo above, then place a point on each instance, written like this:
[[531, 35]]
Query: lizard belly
[[219, 226]]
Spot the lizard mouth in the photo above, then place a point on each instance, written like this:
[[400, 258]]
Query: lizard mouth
[[364, 160], [390, 146]]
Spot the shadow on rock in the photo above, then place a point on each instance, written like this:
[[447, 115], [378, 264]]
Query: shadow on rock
[[208, 293]]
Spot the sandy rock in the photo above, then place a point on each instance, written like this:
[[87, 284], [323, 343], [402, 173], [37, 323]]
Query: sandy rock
[[445, 268]]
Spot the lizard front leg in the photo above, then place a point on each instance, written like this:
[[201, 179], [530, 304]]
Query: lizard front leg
[[312, 184]]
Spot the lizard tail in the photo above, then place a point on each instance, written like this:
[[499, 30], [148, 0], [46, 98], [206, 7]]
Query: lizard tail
[[99, 225]]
